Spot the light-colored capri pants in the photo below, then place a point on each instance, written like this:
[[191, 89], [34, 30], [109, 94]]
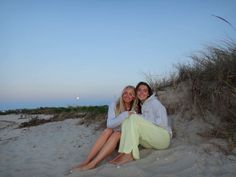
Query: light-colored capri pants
[[136, 130]]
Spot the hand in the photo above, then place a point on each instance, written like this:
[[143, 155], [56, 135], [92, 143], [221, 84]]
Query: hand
[[131, 112]]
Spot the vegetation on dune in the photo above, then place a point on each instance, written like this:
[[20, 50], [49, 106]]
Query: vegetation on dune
[[212, 78], [88, 114], [58, 110]]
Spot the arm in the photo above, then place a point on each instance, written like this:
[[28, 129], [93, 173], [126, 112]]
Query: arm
[[114, 121], [161, 114], [165, 121]]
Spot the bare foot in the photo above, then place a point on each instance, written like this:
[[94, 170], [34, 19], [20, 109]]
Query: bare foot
[[118, 156], [83, 168], [124, 158], [81, 165], [77, 167]]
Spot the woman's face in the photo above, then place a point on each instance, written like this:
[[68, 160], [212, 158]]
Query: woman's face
[[128, 95], [142, 93]]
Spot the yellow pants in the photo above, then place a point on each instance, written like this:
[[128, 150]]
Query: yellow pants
[[136, 130]]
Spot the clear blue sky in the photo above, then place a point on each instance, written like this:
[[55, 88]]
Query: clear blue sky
[[52, 51]]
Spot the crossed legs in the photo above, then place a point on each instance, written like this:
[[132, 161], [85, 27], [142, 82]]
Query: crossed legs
[[103, 147]]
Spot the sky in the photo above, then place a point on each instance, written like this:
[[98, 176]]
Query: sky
[[53, 51]]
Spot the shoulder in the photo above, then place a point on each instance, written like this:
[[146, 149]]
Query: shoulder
[[112, 105], [152, 99]]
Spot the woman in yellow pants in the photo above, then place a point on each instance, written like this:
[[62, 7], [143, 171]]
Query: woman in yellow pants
[[149, 127]]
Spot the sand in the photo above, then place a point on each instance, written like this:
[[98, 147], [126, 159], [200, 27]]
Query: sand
[[51, 149]]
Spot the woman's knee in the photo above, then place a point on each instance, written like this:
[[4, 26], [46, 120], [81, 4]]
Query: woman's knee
[[133, 119], [107, 131], [116, 134]]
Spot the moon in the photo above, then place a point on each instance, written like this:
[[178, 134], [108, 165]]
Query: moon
[[77, 98]]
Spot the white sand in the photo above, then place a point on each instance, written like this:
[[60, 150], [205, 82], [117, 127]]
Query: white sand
[[46, 150], [51, 149]]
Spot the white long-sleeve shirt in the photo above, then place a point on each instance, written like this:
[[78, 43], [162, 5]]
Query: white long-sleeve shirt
[[114, 121], [155, 112]]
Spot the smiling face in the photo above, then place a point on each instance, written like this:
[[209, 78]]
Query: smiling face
[[142, 93], [128, 95]]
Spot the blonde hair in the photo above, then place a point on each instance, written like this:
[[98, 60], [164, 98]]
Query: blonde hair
[[120, 103]]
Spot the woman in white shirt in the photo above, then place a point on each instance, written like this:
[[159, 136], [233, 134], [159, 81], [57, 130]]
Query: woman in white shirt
[[149, 127], [106, 143]]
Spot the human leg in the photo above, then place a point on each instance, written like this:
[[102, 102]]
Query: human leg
[[122, 158], [130, 137], [96, 147], [128, 142], [137, 130], [105, 151]]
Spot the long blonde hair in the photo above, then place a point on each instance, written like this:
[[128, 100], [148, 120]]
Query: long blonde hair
[[120, 103]]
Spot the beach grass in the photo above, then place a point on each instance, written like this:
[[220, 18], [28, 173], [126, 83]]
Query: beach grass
[[87, 114], [211, 76]]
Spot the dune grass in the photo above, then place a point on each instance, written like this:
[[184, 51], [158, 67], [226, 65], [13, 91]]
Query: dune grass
[[58, 110], [212, 78], [88, 114], [213, 81]]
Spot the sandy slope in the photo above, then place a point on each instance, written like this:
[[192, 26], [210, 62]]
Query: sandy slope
[[50, 150], [45, 150]]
